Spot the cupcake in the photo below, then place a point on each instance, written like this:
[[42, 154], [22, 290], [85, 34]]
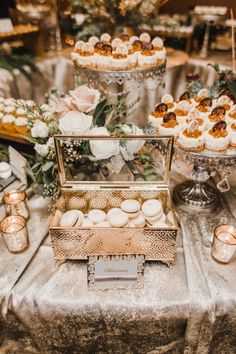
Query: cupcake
[[232, 129], [156, 117], [132, 39], [145, 37], [218, 138], [168, 100], [203, 93], [124, 37], [93, 40], [217, 114], [105, 38], [170, 125], [204, 107], [201, 124], [137, 46], [191, 138], [115, 43], [21, 125], [132, 55], [8, 122], [147, 57], [231, 115], [182, 110], [119, 60], [86, 57], [185, 97], [2, 107], [10, 110], [104, 58], [225, 101], [77, 51], [159, 49], [20, 112]]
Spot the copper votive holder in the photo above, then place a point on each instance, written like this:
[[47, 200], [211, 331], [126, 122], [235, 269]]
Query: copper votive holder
[[224, 243], [15, 203], [15, 234]]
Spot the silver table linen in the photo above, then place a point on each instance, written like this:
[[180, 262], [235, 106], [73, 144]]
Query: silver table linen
[[189, 308]]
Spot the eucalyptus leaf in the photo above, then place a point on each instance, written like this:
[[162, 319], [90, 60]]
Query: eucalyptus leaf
[[99, 116], [47, 166]]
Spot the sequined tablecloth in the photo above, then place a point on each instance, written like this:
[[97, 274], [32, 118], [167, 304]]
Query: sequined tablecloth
[[190, 308]]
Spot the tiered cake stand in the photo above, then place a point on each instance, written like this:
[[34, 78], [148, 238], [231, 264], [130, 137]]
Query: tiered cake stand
[[134, 85], [197, 194]]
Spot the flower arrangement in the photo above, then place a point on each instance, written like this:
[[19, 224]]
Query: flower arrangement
[[84, 112], [118, 13]]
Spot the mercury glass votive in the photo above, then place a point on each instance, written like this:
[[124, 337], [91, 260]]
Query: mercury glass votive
[[15, 203], [15, 234], [224, 243]]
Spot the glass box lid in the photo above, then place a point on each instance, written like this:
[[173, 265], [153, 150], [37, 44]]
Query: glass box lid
[[110, 161]]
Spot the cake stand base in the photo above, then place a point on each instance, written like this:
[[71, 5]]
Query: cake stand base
[[196, 197]]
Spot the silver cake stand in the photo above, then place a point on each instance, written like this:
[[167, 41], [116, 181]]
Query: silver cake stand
[[197, 194], [134, 85]]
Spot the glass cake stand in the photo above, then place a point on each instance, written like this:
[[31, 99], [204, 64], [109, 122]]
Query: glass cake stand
[[134, 85], [197, 194]]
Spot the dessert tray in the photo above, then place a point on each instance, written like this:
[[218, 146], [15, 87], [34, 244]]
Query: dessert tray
[[197, 194]]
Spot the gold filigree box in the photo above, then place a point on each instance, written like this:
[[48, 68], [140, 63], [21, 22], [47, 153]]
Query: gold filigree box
[[139, 171]]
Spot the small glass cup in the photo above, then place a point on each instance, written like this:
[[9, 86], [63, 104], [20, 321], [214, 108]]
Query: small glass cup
[[15, 203], [15, 234], [224, 243]]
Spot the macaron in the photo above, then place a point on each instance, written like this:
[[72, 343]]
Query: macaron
[[71, 218], [103, 224], [86, 222], [151, 207], [139, 221], [97, 215], [113, 211], [57, 217], [170, 218], [131, 207], [120, 219], [159, 220], [156, 218], [160, 225]]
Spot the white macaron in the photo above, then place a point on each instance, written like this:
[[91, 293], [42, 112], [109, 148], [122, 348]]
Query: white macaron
[[139, 221], [151, 208], [71, 218], [120, 219], [97, 215], [131, 207]]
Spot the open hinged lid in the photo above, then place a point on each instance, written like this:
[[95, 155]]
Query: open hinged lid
[[86, 162]]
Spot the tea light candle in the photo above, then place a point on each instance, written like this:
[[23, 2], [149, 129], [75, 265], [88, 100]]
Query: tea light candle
[[15, 203], [224, 243], [15, 233]]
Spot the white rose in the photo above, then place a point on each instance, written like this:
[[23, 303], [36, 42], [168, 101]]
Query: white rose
[[103, 149], [75, 123], [41, 149], [85, 99], [131, 147], [39, 129], [116, 163]]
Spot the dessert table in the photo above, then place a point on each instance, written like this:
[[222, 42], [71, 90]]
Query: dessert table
[[189, 308]]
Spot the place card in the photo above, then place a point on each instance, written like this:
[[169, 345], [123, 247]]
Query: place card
[[115, 271], [6, 25]]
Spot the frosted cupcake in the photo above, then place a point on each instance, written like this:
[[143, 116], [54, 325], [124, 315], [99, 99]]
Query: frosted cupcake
[[124, 37], [232, 130], [8, 122], [86, 56], [119, 60], [217, 114], [218, 138], [170, 125], [77, 51], [231, 115], [225, 101], [132, 55], [10, 110], [20, 112], [145, 37], [104, 58], [21, 125], [105, 38], [156, 117], [191, 138], [168, 100], [204, 107], [132, 39], [115, 43], [201, 124], [159, 49], [137, 46], [182, 110], [93, 40], [147, 57], [203, 93]]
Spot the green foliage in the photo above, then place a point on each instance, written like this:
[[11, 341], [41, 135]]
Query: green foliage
[[24, 63], [99, 116]]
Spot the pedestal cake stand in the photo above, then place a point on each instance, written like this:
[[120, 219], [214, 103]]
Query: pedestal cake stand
[[197, 194], [131, 84]]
